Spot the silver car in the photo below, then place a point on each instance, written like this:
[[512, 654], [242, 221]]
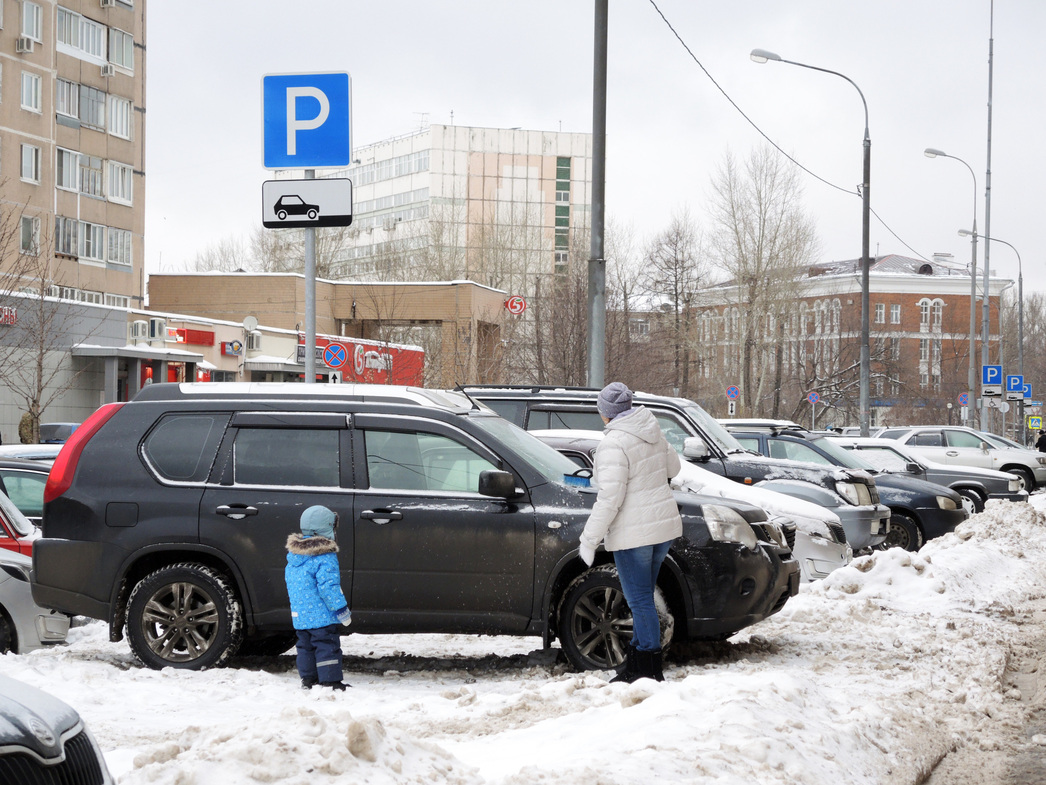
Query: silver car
[[967, 447], [24, 625], [973, 484]]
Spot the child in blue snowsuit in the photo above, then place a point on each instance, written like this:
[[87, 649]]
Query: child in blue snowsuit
[[318, 606]]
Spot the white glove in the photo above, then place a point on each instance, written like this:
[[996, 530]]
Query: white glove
[[587, 553], [344, 617]]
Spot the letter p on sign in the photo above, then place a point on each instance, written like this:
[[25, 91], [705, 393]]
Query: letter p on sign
[[306, 120]]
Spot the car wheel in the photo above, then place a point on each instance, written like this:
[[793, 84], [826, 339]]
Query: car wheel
[[595, 624], [184, 616], [8, 641], [267, 646], [282, 215], [1026, 477], [972, 501], [904, 533], [312, 215]]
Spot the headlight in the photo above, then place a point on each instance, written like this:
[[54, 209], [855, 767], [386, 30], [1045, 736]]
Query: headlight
[[1014, 485], [854, 492], [1042, 461], [727, 525], [945, 503]]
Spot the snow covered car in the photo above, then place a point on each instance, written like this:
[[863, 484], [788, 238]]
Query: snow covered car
[[820, 540], [452, 521], [43, 740], [974, 485], [24, 625], [967, 447]]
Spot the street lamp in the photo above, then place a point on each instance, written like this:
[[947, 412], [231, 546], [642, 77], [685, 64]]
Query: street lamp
[[762, 56], [1020, 311], [971, 378]]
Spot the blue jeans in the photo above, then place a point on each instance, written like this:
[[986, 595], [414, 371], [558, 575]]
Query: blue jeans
[[637, 568], [319, 654]]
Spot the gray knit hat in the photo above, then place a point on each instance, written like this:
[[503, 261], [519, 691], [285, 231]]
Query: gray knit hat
[[318, 520], [614, 399]]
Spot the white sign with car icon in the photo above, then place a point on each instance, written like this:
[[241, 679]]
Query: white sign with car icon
[[289, 204]]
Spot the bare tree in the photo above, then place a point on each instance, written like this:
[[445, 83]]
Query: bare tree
[[763, 239]]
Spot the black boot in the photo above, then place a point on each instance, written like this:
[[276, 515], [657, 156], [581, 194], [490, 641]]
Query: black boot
[[655, 664], [630, 671]]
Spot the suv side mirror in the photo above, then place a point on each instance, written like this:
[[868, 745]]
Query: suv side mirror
[[499, 484], [695, 449], [985, 446], [913, 468]]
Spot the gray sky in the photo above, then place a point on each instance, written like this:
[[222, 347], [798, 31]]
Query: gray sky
[[921, 64]]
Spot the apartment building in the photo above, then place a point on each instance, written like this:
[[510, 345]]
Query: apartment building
[[72, 131]]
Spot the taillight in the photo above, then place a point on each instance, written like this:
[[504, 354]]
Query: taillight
[[64, 468]]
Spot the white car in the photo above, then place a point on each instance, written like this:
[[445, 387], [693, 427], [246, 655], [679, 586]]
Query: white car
[[957, 445], [820, 540], [24, 625]]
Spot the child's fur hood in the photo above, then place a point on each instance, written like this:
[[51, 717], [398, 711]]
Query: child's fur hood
[[310, 546]]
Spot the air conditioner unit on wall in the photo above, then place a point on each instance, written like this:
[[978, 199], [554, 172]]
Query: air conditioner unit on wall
[[254, 341], [108, 3], [139, 330], [108, 69], [24, 44], [157, 329]]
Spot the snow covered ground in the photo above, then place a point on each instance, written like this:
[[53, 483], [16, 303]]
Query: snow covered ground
[[870, 676]]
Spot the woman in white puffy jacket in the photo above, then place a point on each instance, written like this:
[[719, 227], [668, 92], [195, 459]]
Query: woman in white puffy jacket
[[635, 516]]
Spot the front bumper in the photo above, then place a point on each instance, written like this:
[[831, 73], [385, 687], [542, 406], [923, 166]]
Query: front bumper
[[1040, 474], [818, 556], [866, 525], [1016, 496], [937, 522]]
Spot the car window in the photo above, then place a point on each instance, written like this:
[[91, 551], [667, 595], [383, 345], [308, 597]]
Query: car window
[[893, 433], [673, 430], [286, 456], [884, 459], [422, 461], [748, 442], [26, 490], [545, 420], [181, 447], [927, 439], [512, 411], [796, 451], [962, 439]]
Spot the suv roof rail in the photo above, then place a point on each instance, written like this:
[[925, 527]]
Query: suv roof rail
[[530, 387]]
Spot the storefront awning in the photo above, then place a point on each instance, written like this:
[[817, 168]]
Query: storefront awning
[[270, 363], [138, 352]]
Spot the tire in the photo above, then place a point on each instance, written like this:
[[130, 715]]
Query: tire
[[184, 616], [312, 215], [282, 215], [267, 646], [595, 624], [904, 533], [1026, 477], [972, 501], [8, 639]]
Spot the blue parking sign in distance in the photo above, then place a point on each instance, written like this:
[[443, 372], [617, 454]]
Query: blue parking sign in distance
[[1027, 391], [991, 374], [1014, 383], [306, 120]]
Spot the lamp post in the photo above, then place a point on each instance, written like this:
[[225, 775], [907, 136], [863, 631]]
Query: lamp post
[[1020, 312], [762, 56], [971, 379]]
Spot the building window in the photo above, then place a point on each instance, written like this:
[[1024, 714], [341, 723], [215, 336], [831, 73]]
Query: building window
[[895, 314], [924, 349], [119, 246], [562, 238], [120, 182], [32, 21], [937, 314], [880, 313], [92, 241], [120, 117], [117, 300], [895, 348], [92, 107], [68, 25], [65, 234], [121, 48], [67, 170], [67, 98], [91, 175], [30, 163], [29, 240], [30, 91], [86, 296], [92, 38]]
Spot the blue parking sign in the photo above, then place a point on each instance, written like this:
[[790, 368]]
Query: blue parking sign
[[1014, 383], [991, 374], [306, 120]]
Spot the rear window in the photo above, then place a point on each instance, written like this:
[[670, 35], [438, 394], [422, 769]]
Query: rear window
[[181, 447]]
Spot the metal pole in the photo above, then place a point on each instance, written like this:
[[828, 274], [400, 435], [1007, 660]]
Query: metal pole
[[597, 316], [986, 293], [310, 297], [866, 264], [1020, 337]]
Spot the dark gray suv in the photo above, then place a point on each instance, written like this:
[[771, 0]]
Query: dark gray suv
[[168, 515]]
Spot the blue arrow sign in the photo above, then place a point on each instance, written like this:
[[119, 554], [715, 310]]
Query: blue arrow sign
[[991, 374], [305, 120], [1014, 383]]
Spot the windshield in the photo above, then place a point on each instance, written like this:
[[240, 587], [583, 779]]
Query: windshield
[[844, 457], [716, 432], [14, 516], [547, 461], [998, 441]]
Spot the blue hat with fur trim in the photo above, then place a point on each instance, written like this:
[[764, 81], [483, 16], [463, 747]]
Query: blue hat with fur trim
[[318, 520]]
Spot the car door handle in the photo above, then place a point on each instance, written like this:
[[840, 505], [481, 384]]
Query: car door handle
[[381, 516], [952, 453], [236, 511]]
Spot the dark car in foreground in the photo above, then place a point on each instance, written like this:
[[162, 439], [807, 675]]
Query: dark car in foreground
[[919, 510], [452, 521], [43, 740], [701, 440]]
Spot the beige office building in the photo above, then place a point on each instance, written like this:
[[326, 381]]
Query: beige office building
[[72, 146]]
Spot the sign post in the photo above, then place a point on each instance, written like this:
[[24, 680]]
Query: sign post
[[813, 398], [306, 123]]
